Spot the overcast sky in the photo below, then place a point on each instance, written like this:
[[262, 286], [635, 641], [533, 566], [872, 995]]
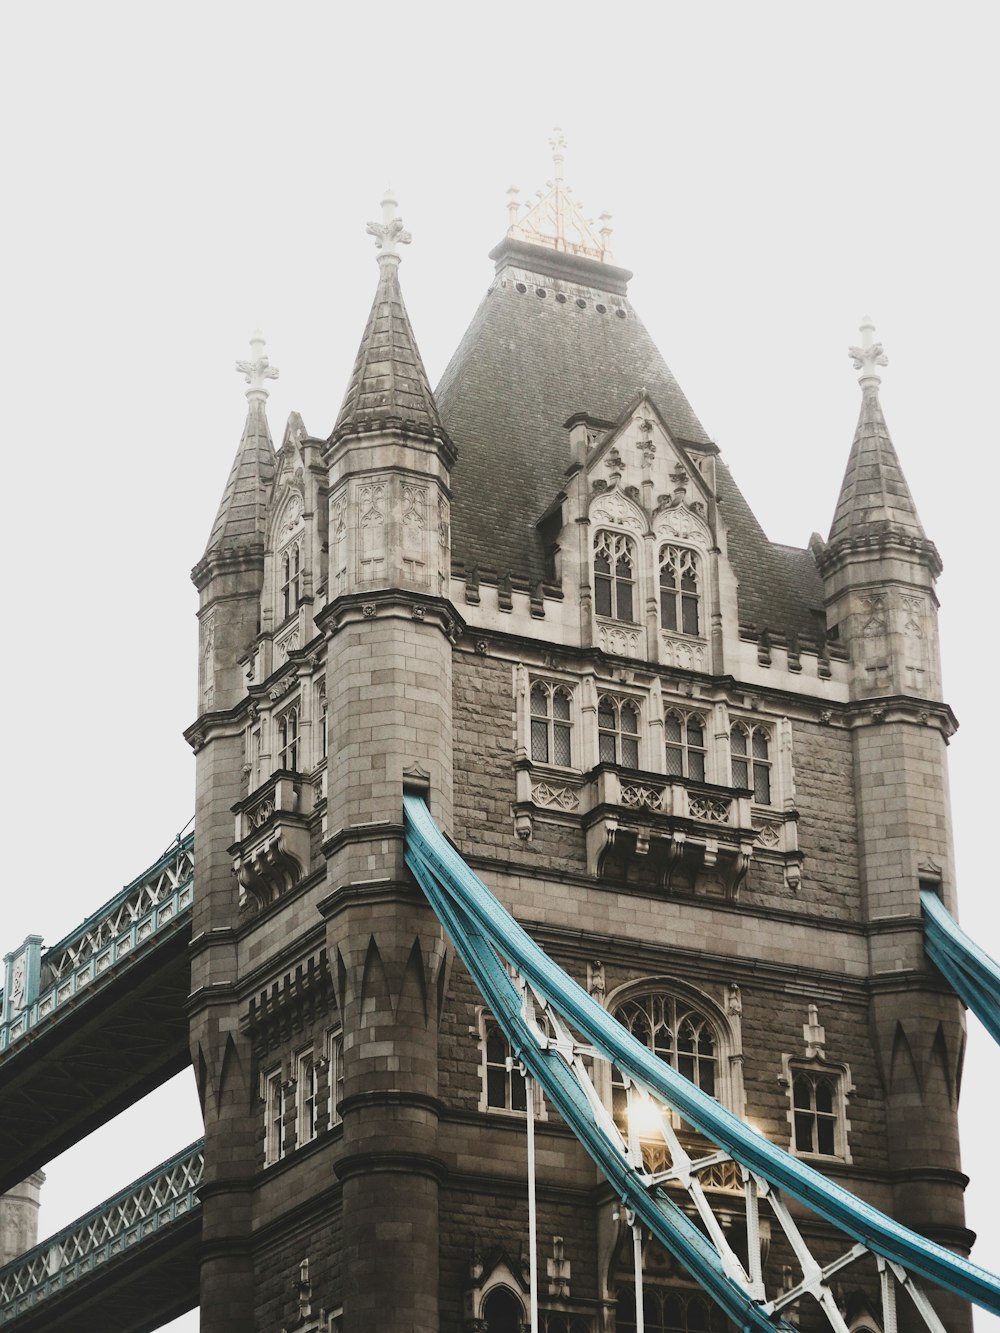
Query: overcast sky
[[176, 175]]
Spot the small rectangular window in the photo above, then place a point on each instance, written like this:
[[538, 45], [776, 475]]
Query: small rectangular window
[[274, 1117], [336, 1075], [306, 1084]]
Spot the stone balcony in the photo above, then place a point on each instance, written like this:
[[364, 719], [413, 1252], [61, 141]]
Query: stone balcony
[[272, 848], [689, 835]]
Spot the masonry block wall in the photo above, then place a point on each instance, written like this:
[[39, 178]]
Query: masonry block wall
[[706, 772]]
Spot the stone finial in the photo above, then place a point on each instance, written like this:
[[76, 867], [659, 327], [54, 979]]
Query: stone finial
[[258, 369], [558, 145], [390, 232], [814, 1033], [868, 355]]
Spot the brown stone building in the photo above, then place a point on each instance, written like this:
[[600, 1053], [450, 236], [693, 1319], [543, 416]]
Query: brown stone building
[[707, 772]]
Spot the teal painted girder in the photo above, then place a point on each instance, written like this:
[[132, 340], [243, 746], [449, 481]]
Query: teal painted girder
[[483, 933], [972, 973]]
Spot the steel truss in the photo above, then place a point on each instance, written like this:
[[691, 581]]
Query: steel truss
[[156, 904], [145, 1210], [560, 1034]]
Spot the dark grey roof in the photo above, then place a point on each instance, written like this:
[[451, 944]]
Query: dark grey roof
[[389, 383], [529, 362], [242, 511], [874, 496]]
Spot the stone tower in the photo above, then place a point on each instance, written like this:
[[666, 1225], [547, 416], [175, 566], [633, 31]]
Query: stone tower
[[706, 771]]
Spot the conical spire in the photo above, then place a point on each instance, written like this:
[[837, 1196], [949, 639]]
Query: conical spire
[[389, 385], [242, 510], [874, 497]]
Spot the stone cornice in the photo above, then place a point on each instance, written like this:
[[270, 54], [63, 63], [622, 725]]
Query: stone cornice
[[391, 1163], [391, 604], [235, 560], [901, 708], [875, 545]]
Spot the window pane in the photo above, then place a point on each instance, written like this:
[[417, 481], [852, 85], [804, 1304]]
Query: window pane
[[602, 596], [741, 775], [605, 714], [824, 1096], [696, 766], [561, 746], [761, 784], [802, 1091], [518, 1095], [607, 748], [560, 705], [695, 733], [539, 742], [630, 752], [689, 614], [539, 701], [759, 744], [624, 601], [824, 1132], [630, 719], [738, 740], [668, 610], [496, 1087], [675, 762], [496, 1046], [803, 1131]]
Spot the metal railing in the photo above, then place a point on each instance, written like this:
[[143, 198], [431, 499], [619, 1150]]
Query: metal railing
[[155, 904], [146, 1208]]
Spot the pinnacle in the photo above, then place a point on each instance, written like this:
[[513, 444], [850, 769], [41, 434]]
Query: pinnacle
[[389, 384], [874, 497]]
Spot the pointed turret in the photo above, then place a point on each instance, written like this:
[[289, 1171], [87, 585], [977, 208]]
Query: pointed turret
[[241, 516], [878, 567], [389, 386], [874, 497]]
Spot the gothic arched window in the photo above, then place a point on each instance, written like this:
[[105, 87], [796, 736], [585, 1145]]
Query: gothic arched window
[[504, 1085], [684, 734], [680, 591], [288, 739], [551, 724], [502, 1311], [668, 1310], [677, 1032], [291, 579], [614, 576], [750, 751], [618, 731]]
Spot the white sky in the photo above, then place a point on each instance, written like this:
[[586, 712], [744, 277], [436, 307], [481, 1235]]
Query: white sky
[[176, 175]]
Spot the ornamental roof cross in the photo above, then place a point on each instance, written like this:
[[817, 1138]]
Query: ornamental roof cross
[[390, 232], [258, 369], [555, 219], [869, 355]]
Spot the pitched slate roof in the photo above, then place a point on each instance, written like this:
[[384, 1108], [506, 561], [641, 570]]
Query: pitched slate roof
[[242, 511], [389, 383], [874, 497], [526, 364]]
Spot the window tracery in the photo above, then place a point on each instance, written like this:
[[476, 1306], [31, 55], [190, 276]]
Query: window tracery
[[614, 575], [685, 744], [750, 752], [551, 724], [618, 731], [291, 579], [666, 1310], [288, 739], [677, 1032], [680, 590], [504, 1088]]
